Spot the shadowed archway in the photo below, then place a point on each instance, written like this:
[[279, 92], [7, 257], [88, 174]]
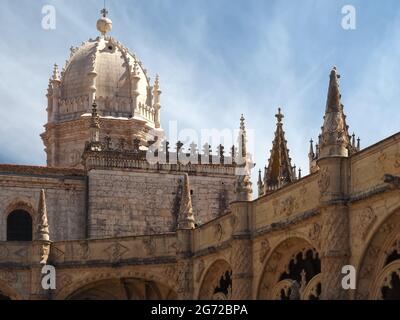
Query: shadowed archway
[[217, 282], [292, 272], [123, 289]]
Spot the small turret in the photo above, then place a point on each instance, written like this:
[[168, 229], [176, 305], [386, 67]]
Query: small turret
[[156, 99], [279, 171], [186, 217], [334, 137], [243, 185]]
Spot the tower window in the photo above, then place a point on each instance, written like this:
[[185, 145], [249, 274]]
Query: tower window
[[19, 226]]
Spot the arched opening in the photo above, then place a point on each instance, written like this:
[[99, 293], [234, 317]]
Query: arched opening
[[292, 272], [217, 283], [19, 226], [123, 289], [379, 271]]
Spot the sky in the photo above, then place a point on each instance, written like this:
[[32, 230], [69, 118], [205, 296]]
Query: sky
[[217, 59]]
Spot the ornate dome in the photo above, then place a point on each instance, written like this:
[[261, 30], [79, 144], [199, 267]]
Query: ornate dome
[[102, 69]]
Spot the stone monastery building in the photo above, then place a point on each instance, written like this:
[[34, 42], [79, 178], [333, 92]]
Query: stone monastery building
[[118, 226]]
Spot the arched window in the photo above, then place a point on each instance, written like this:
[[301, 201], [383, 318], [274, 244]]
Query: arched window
[[19, 226]]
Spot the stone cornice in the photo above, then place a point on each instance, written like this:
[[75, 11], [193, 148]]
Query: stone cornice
[[283, 224], [44, 172]]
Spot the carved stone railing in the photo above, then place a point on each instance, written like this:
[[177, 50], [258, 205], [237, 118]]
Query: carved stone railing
[[104, 155], [127, 250], [15, 254]]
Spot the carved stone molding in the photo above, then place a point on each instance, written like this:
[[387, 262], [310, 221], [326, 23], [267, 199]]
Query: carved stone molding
[[116, 250], [324, 180], [367, 219], [149, 245], [84, 250], [314, 232], [218, 232], [200, 270], [264, 250], [8, 276], [3, 252]]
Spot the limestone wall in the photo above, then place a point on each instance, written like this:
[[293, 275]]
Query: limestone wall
[[65, 199], [370, 165], [293, 199], [136, 202]]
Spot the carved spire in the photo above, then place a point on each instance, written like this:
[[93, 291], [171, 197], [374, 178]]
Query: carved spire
[[335, 140], [186, 218], [94, 124], [242, 138], [311, 154], [279, 171], [56, 74], [260, 184], [243, 185], [157, 106], [42, 222]]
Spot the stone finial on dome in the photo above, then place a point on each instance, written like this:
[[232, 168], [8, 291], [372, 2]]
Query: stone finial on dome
[[56, 73], [104, 24]]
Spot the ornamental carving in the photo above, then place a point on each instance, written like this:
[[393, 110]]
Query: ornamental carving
[[233, 221], [22, 253], [288, 206], [9, 276], [3, 252], [314, 232], [285, 207], [218, 232], [116, 251], [171, 273], [324, 180], [64, 281], [56, 253], [397, 161], [149, 245], [264, 250], [200, 270], [367, 219], [84, 250]]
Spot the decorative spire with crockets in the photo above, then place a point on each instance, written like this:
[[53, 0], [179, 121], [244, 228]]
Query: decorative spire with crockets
[[42, 232], [335, 139], [279, 171], [186, 217]]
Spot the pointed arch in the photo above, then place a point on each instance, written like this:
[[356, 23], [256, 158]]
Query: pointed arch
[[217, 282], [379, 266], [291, 266]]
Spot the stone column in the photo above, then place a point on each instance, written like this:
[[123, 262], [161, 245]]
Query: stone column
[[241, 257], [184, 265], [335, 231]]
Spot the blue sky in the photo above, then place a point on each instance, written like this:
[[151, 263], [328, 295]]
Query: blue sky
[[217, 59]]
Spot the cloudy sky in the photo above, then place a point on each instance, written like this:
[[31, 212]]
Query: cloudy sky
[[217, 59]]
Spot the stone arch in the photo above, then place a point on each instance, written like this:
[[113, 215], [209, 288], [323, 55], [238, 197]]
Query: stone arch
[[69, 285], [122, 289], [217, 282], [8, 293], [20, 203], [381, 255], [25, 204], [291, 266]]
